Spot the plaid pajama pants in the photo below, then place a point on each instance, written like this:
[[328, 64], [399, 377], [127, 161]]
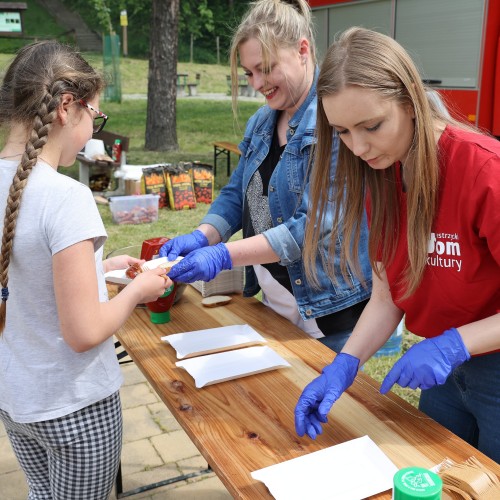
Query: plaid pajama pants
[[74, 457]]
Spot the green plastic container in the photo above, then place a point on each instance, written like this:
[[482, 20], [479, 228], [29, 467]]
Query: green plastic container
[[415, 482]]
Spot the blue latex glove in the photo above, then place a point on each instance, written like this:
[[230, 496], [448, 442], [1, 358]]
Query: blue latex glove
[[184, 244], [318, 397], [428, 363], [203, 264]]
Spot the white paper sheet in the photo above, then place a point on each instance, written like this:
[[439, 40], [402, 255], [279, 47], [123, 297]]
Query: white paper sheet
[[118, 276], [229, 365], [211, 340], [352, 470]]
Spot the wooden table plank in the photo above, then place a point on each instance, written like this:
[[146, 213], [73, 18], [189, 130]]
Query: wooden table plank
[[243, 425]]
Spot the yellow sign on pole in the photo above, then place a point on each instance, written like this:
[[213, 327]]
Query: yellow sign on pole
[[123, 18]]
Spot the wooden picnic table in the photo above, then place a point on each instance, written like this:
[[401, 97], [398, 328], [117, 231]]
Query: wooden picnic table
[[225, 148], [182, 78], [243, 425]]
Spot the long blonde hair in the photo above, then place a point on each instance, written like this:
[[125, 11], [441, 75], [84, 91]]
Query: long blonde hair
[[275, 24], [374, 61], [30, 95]]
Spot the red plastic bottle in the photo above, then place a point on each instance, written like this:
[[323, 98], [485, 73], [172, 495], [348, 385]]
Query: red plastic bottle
[[117, 151], [151, 248], [160, 308]]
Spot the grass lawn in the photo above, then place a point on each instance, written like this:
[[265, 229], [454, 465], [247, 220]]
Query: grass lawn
[[199, 124], [134, 73]]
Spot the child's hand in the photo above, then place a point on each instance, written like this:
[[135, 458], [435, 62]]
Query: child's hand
[[150, 284], [120, 262]]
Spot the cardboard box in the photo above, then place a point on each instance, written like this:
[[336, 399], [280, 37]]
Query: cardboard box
[[132, 187]]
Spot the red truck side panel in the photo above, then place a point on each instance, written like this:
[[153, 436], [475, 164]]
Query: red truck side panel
[[489, 96], [495, 130], [461, 103], [482, 106]]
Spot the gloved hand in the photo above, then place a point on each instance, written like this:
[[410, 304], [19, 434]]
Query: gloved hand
[[182, 245], [318, 397], [428, 363], [202, 264]]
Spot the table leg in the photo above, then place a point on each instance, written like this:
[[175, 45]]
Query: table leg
[[83, 173], [122, 494], [217, 152]]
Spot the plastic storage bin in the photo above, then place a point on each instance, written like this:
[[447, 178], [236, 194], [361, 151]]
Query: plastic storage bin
[[229, 281], [394, 345], [134, 209]]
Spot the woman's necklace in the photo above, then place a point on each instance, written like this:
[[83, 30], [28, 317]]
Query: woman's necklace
[[43, 159], [10, 156]]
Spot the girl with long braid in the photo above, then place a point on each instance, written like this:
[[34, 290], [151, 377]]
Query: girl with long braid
[[59, 376]]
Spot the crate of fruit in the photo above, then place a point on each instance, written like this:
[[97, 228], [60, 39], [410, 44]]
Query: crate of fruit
[[134, 209]]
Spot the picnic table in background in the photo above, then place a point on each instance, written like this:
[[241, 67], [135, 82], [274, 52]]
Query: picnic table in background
[[225, 148], [244, 88], [182, 83]]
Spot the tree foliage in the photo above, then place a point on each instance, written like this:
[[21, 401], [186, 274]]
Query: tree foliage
[[103, 15], [196, 18], [205, 19]]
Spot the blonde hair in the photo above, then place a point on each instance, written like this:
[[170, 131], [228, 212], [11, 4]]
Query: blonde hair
[[30, 95], [370, 60], [275, 24]]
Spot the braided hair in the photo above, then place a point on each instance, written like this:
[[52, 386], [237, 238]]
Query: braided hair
[[30, 94]]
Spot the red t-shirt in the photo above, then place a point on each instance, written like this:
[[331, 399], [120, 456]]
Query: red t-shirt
[[461, 282]]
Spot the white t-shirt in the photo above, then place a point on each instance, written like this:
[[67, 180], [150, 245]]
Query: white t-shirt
[[41, 377]]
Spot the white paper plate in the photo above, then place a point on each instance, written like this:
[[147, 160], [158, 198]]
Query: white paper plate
[[118, 276], [348, 471], [213, 340], [229, 365]]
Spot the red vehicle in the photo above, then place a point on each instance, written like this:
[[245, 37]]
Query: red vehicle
[[455, 43]]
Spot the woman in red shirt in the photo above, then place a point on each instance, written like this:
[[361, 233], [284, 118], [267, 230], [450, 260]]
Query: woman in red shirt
[[431, 187]]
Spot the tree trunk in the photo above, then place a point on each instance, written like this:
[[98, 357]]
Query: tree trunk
[[161, 134]]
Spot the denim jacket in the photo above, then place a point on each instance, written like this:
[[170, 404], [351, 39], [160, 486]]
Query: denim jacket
[[288, 200]]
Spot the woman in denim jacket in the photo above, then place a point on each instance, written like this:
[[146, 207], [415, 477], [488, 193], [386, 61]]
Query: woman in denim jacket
[[267, 195]]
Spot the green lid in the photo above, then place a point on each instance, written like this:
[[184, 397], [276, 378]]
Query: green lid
[[416, 482], [159, 318]]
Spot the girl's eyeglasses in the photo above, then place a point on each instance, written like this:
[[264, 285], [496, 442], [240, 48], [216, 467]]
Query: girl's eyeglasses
[[99, 120]]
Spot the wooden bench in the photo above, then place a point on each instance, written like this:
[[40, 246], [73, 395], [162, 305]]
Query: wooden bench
[[192, 89], [86, 165], [225, 148]]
